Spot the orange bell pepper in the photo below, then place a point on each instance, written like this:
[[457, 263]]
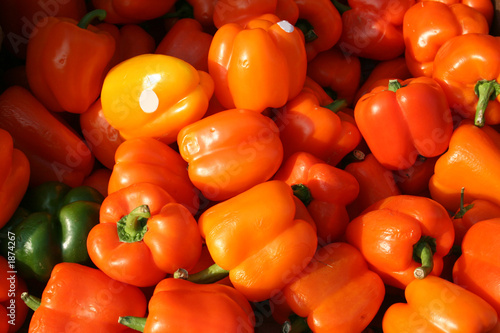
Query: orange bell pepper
[[324, 189], [337, 73], [66, 62], [373, 29], [264, 58], [478, 268], [125, 11], [154, 95], [471, 162], [230, 151], [463, 68], [83, 299], [429, 24], [485, 7], [336, 291], [138, 238], [181, 306], [321, 24], [468, 215], [403, 120], [14, 176], [102, 139], [241, 12], [188, 41], [151, 161], [55, 152], [13, 310], [263, 237], [403, 237], [18, 19], [437, 305], [375, 182]]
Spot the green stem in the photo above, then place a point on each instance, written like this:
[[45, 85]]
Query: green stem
[[394, 85], [486, 91], [31, 301], [132, 227], [135, 323], [423, 252], [295, 324], [337, 105], [340, 7], [302, 192], [90, 16], [307, 29], [461, 212], [210, 274]]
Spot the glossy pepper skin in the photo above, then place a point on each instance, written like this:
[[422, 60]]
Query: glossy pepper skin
[[123, 12], [154, 95], [263, 237], [429, 24], [178, 305], [404, 120], [460, 64], [241, 12], [62, 50], [149, 160], [437, 305], [13, 310], [231, 151], [55, 152], [400, 235], [84, 299], [51, 226], [475, 152], [143, 235], [14, 176], [373, 29], [267, 55], [324, 189], [485, 7], [321, 25], [336, 292]]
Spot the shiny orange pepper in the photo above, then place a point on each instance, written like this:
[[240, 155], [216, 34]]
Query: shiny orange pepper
[[429, 24], [336, 278], [437, 305], [263, 237], [462, 66], [154, 95], [126, 11], [54, 150], [66, 62], [230, 151], [264, 58], [149, 160], [181, 306], [471, 162], [324, 189], [403, 120], [403, 237], [14, 176], [478, 268], [485, 7], [138, 238], [188, 41]]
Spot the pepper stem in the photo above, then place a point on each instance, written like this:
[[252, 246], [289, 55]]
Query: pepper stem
[[302, 192], [307, 29], [423, 252], [295, 324], [210, 274], [337, 105], [31, 301], [461, 212], [486, 91], [135, 323], [90, 16], [394, 85], [340, 7], [132, 227]]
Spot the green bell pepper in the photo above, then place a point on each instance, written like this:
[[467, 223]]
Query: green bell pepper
[[51, 226]]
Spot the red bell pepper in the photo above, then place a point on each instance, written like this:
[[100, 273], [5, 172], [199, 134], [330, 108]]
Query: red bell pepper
[[54, 150], [404, 120], [125, 11], [265, 58], [403, 237], [63, 50], [138, 238], [13, 310], [203, 12], [241, 12], [415, 179]]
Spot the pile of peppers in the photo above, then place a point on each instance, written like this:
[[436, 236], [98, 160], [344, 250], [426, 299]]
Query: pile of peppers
[[249, 166]]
